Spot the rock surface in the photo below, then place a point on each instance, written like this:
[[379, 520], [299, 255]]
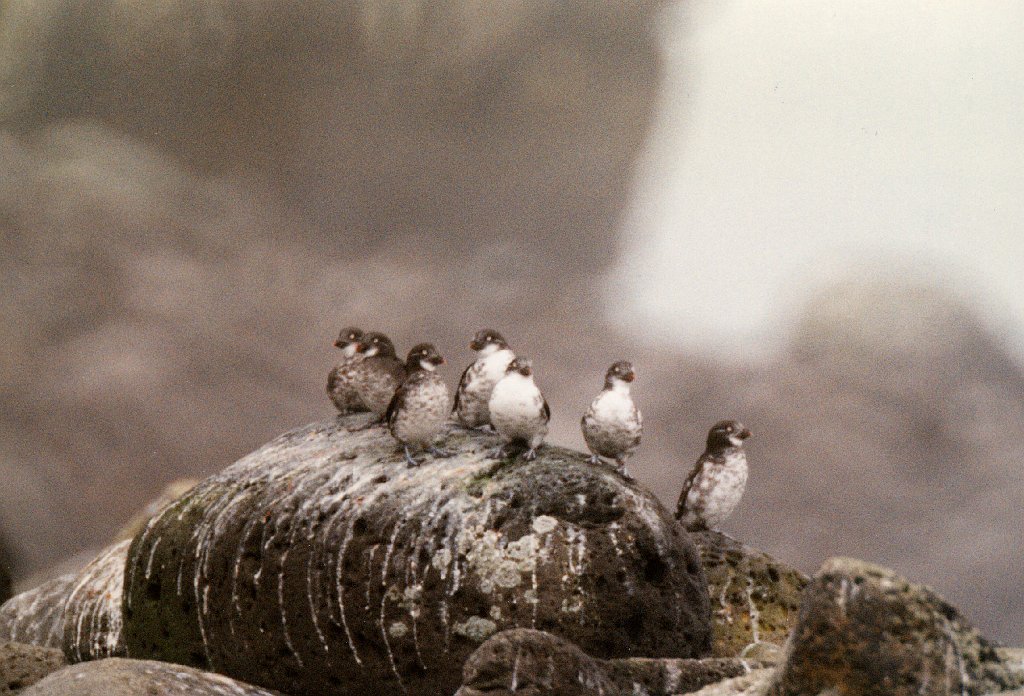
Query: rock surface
[[864, 630], [322, 563], [79, 614], [121, 677], [525, 661], [754, 684], [754, 597], [23, 665]]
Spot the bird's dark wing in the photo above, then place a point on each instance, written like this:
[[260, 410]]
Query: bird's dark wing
[[332, 380], [458, 391], [397, 402], [687, 485], [547, 411], [397, 369]]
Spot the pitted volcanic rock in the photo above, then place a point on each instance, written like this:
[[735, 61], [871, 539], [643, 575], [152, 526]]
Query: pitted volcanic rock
[[323, 563]]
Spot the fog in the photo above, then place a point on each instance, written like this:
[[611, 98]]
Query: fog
[[194, 198]]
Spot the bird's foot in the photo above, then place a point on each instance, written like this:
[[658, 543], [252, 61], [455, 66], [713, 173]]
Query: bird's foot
[[530, 454], [625, 474], [498, 452], [595, 460], [438, 452], [372, 424], [410, 460]]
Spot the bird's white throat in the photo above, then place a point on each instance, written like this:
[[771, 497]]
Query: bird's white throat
[[620, 386]]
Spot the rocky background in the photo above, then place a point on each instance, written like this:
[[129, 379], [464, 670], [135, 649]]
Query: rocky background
[[193, 199], [322, 563]]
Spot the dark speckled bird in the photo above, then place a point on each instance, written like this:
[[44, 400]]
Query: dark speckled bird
[[613, 424], [519, 412], [378, 374], [474, 391], [420, 407], [340, 380], [714, 487]]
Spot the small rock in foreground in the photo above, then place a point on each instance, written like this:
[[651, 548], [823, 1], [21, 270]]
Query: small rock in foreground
[[120, 677], [23, 665], [865, 631], [525, 661]]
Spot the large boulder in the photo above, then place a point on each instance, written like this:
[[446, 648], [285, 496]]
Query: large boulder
[[754, 598], [120, 677], [525, 661], [79, 614], [864, 631], [323, 563]]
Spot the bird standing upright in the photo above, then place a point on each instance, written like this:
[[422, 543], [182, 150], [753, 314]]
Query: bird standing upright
[[519, 412], [715, 485], [378, 374], [613, 424], [420, 406], [340, 380], [478, 380]]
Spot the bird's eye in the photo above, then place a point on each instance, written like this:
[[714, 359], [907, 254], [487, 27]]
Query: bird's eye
[[729, 429]]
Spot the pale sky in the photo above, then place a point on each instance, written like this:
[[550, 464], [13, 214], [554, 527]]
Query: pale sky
[[803, 140]]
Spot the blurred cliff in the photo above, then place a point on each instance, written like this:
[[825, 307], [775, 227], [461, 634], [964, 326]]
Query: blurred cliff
[[195, 196]]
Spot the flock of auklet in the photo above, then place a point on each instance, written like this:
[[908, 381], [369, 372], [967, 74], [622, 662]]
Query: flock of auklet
[[498, 391]]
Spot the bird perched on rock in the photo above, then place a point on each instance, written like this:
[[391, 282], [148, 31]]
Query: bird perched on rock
[[420, 406], [478, 380], [715, 486], [340, 380], [519, 412], [378, 374], [612, 425]]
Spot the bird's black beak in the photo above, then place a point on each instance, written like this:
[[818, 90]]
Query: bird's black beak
[[339, 344], [630, 376], [475, 345], [744, 434], [526, 371], [437, 360]]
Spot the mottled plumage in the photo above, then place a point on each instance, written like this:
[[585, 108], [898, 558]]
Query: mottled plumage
[[379, 374], [715, 485], [613, 424], [519, 412], [421, 405], [341, 379], [478, 380]]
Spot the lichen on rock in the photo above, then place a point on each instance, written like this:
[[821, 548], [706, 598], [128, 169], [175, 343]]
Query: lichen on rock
[[321, 562], [754, 597]]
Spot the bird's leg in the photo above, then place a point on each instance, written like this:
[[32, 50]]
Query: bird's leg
[[409, 458], [621, 461], [595, 460]]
